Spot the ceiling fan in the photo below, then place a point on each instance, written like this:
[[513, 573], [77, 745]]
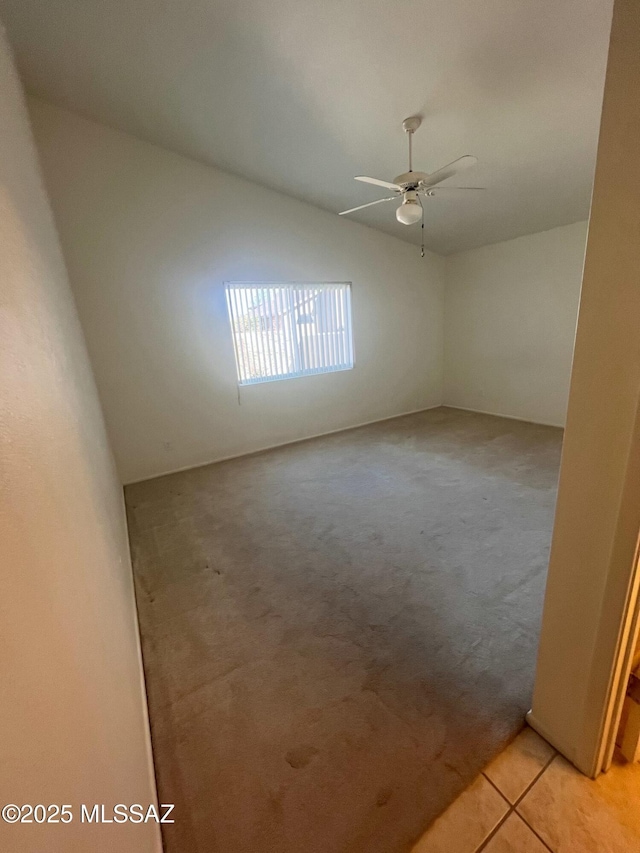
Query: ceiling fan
[[411, 186]]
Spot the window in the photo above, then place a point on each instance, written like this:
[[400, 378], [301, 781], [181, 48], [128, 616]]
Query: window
[[286, 330]]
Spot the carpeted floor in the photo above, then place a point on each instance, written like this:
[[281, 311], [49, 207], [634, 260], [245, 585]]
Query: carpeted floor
[[339, 634]]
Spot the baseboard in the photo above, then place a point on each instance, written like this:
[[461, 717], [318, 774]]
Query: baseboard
[[283, 444], [501, 415]]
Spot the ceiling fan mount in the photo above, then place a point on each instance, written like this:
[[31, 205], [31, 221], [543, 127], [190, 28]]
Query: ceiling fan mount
[[413, 186], [411, 124]]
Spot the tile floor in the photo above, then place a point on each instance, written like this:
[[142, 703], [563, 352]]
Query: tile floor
[[530, 800]]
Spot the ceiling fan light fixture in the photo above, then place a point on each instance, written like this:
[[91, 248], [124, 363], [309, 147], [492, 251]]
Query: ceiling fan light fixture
[[410, 211]]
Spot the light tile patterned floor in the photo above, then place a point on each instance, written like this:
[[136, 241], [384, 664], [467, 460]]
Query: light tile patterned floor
[[530, 800]]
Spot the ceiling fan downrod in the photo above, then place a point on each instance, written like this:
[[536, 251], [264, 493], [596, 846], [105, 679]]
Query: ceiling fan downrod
[[410, 125]]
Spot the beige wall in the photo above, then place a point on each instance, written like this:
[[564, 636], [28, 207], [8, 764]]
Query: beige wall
[[150, 237], [72, 714], [598, 510], [510, 319]]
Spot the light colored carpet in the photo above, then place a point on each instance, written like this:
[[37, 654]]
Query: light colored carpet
[[339, 634]]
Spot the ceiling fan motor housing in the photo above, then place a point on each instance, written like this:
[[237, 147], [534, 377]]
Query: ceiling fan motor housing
[[410, 180]]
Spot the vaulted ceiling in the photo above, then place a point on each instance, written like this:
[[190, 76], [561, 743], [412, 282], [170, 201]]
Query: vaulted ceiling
[[301, 95]]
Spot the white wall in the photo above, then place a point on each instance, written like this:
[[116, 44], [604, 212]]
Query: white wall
[[72, 715], [150, 237], [510, 319]]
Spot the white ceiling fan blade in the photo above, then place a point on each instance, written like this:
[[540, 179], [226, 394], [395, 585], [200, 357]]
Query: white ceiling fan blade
[[353, 209], [378, 183], [449, 170], [434, 190]]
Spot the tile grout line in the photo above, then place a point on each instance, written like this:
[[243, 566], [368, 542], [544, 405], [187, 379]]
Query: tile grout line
[[493, 785], [500, 823], [537, 834], [512, 808], [531, 784], [520, 799]]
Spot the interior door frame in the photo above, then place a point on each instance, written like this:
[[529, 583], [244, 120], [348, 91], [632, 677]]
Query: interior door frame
[[629, 634], [590, 616]]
